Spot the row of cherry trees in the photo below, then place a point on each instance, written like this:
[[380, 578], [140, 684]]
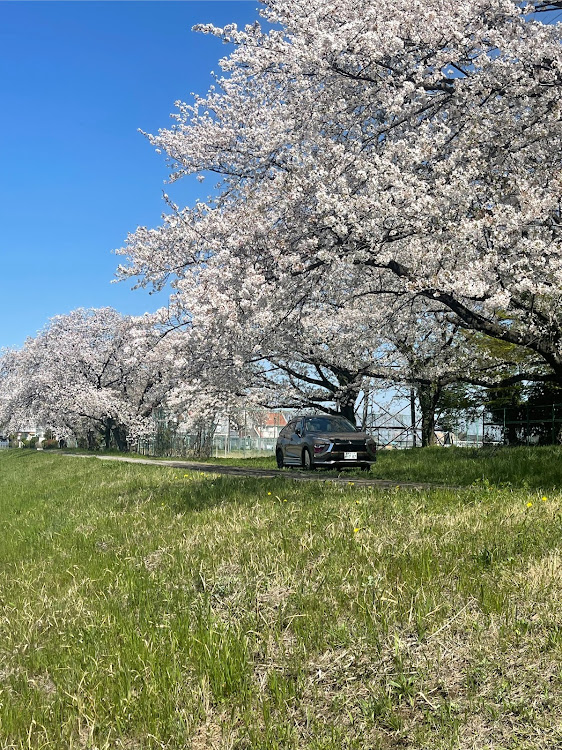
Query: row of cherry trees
[[388, 207], [98, 376], [95, 375], [90, 373], [389, 198]]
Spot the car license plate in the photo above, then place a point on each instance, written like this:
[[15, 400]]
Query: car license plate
[[350, 456]]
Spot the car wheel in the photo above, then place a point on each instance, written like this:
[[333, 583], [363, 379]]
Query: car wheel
[[307, 462], [279, 459]]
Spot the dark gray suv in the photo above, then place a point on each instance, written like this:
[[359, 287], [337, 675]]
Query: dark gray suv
[[312, 441]]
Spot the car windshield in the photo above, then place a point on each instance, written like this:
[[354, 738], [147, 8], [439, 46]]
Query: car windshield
[[328, 424]]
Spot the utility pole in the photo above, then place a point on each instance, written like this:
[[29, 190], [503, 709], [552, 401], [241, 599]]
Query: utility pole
[[227, 436], [413, 415]]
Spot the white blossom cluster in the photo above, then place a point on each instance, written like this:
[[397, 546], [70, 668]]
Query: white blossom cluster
[[385, 167]]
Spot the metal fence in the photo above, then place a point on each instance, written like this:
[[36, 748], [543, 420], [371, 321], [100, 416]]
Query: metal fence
[[525, 424], [401, 438], [391, 435], [528, 425], [246, 446], [186, 445]]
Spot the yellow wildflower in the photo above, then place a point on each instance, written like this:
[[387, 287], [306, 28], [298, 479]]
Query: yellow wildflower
[[529, 505]]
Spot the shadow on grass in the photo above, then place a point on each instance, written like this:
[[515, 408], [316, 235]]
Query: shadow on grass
[[518, 467], [196, 492]]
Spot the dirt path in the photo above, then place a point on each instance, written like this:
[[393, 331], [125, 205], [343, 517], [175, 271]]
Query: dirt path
[[296, 475]]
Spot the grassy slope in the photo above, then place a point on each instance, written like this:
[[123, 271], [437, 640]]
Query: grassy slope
[[141, 608]]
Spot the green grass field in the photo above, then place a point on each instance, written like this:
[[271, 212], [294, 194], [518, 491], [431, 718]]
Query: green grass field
[[148, 607], [534, 468]]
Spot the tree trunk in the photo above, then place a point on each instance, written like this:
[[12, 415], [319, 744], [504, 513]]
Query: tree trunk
[[347, 410], [428, 396], [365, 410], [510, 435], [107, 435], [204, 440], [91, 440], [120, 437], [346, 405]]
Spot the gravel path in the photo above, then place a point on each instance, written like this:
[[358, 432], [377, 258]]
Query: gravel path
[[296, 475]]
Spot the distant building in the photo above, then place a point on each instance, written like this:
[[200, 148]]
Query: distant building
[[28, 432], [253, 424], [271, 425]]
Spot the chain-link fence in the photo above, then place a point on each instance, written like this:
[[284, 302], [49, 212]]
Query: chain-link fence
[[189, 445], [524, 424], [514, 425]]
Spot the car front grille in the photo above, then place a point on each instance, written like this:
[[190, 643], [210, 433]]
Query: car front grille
[[349, 445]]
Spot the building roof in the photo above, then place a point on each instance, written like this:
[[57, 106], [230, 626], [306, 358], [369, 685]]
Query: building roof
[[274, 419]]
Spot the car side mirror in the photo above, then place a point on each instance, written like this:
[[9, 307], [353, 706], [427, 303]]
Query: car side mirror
[[298, 432]]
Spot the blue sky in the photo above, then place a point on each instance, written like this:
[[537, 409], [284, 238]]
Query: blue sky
[[77, 79]]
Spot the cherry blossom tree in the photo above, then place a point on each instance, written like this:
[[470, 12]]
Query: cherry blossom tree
[[91, 372], [371, 156]]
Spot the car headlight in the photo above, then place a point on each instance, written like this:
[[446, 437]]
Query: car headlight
[[321, 446]]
